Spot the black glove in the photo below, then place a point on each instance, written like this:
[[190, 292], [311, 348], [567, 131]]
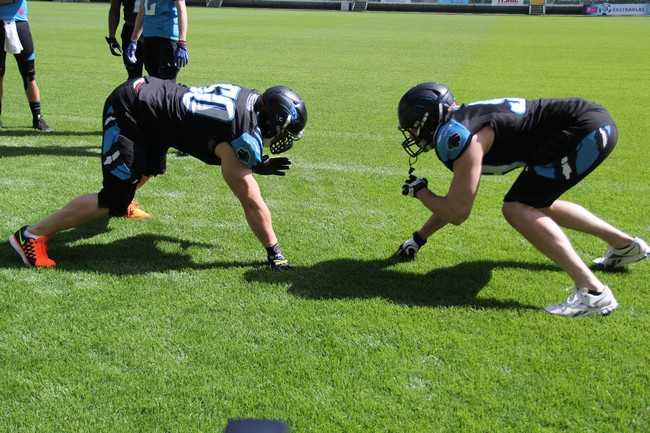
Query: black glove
[[276, 259], [116, 50], [276, 166], [410, 248], [414, 184]]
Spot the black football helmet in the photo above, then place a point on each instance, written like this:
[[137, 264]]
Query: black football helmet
[[420, 111], [282, 115]]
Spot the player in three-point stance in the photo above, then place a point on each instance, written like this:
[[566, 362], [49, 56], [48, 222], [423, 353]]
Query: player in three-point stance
[[557, 142], [221, 124]]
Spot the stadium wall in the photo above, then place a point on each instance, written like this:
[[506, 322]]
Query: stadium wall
[[471, 6], [552, 7]]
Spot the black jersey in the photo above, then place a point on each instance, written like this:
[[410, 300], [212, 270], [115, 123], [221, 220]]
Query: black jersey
[[521, 130], [196, 119], [130, 9]]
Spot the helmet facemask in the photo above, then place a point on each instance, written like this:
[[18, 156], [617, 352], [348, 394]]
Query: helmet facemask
[[420, 111], [283, 138], [419, 137], [282, 118]]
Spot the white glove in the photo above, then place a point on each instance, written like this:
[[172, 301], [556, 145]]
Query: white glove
[[414, 184]]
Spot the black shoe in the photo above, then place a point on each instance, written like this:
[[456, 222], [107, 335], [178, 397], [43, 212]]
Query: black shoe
[[39, 123]]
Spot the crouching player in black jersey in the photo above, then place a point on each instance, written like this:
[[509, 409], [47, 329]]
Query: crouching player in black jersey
[[557, 142], [221, 124]]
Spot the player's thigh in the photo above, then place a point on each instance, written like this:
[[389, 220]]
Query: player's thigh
[[123, 142], [537, 191], [561, 164], [116, 194], [150, 56], [168, 68], [123, 162], [26, 57], [159, 58]]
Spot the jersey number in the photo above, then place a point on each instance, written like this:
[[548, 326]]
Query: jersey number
[[149, 7], [517, 105], [216, 101]]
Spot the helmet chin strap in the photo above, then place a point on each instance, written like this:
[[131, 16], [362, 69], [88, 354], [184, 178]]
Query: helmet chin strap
[[412, 161]]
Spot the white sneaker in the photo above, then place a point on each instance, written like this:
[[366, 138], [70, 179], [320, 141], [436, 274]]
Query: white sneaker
[[619, 257], [580, 303]]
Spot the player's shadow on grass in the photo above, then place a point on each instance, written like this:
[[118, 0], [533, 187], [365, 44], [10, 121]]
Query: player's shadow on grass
[[136, 255], [22, 132], [37, 150], [364, 279]]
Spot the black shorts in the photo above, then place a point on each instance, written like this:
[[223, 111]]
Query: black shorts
[[25, 58], [127, 154], [539, 185], [159, 58]]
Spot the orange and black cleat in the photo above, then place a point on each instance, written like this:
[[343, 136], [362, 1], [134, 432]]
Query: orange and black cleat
[[134, 211], [32, 251]]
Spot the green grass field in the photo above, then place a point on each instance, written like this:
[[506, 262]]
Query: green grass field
[[173, 324]]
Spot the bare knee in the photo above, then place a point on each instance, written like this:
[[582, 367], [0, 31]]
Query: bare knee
[[512, 212], [517, 213]]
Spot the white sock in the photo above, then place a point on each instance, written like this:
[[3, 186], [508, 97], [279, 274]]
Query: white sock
[[29, 235]]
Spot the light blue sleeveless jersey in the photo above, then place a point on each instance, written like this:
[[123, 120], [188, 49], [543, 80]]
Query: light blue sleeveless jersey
[[160, 19], [14, 11]]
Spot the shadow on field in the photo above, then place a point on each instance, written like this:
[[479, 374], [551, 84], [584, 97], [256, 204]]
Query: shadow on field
[[30, 132], [135, 255], [360, 279], [36, 150]]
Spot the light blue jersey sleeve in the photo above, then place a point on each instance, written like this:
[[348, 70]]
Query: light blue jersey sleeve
[[249, 148], [451, 139]]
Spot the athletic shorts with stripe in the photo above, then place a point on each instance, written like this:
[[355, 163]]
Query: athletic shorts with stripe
[[573, 154], [126, 154]]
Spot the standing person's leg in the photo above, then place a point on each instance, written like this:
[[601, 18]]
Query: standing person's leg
[[158, 54], [27, 69], [3, 60], [133, 70], [2, 76], [166, 58]]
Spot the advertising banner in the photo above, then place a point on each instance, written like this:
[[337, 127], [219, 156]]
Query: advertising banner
[[507, 2], [618, 9]]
